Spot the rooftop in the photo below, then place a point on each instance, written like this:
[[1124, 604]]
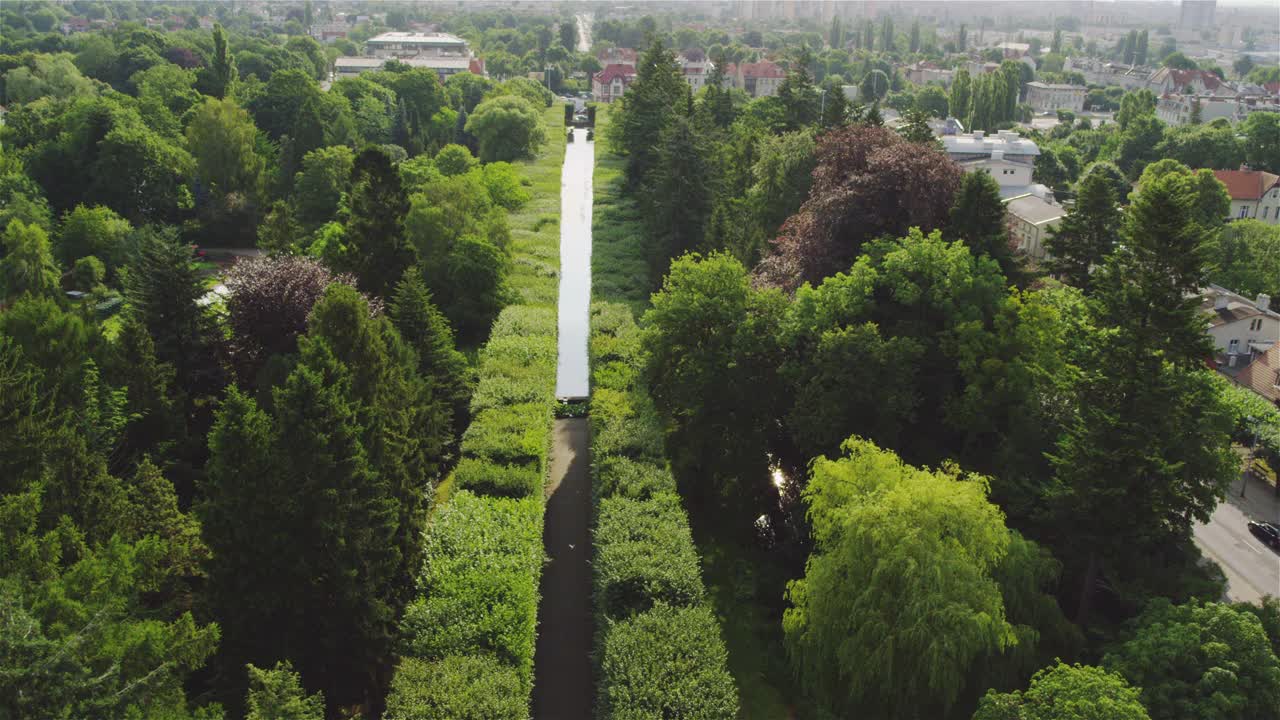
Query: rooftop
[[414, 38], [1034, 210], [979, 143], [1225, 306], [1055, 86], [1246, 184], [433, 63]]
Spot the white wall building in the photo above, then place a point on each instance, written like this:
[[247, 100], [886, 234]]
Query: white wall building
[[1254, 194], [1030, 218], [412, 44], [1006, 156], [1045, 97], [1238, 325]]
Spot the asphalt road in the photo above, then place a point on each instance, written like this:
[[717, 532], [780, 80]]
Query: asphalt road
[[1252, 569], [562, 683]]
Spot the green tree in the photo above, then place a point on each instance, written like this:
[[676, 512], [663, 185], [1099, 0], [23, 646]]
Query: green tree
[[961, 94], [647, 108], [376, 251], [140, 174], [887, 38], [1066, 692], [1202, 146], [874, 86], [797, 93], [1126, 479], [717, 100], [454, 160], [834, 106], [96, 231], [1138, 144], [277, 694], [1246, 258], [783, 172], [1262, 141], [507, 128], [222, 70], [1086, 235], [88, 273], [27, 266], [713, 360], [898, 596], [425, 329], [914, 45], [321, 187], [978, 219], [1195, 662], [679, 197], [222, 138]]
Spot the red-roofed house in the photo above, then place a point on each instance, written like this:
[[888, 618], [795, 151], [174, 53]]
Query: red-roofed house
[[609, 84], [1254, 194], [1200, 82], [760, 79]]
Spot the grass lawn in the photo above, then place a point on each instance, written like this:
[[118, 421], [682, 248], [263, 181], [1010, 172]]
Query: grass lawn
[[535, 228], [619, 268]]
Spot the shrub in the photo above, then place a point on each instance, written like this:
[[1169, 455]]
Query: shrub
[[454, 160], [624, 477], [644, 555], [507, 127], [88, 273], [479, 586], [506, 187], [666, 663], [486, 478], [458, 686]]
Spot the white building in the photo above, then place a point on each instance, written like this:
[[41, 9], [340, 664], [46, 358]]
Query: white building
[[1175, 109], [1238, 325], [1030, 218], [444, 66], [1045, 97], [1006, 156], [1254, 194], [696, 67], [412, 44]]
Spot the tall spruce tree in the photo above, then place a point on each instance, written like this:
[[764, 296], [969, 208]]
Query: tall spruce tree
[[1087, 234], [647, 109], [1127, 479], [223, 68], [799, 98], [376, 250]]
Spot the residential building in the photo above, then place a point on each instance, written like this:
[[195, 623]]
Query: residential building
[[1190, 82], [1260, 372], [1177, 109], [610, 83], [1238, 326], [1254, 194], [1129, 77], [1006, 156], [618, 56], [924, 73], [1046, 97], [411, 44], [696, 67], [1030, 219], [444, 66], [758, 79], [328, 32]]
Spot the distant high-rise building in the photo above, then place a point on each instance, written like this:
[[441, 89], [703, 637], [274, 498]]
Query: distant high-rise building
[[1197, 14]]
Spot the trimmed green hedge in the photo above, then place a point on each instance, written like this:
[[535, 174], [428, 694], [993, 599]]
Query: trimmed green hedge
[[468, 639], [666, 663], [478, 591], [645, 555], [658, 643], [459, 686]]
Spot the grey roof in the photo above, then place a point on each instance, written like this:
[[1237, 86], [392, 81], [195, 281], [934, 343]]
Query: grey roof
[[412, 38], [1009, 142], [432, 63], [1055, 86], [1034, 210]]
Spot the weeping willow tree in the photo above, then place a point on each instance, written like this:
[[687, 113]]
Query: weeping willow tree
[[913, 583]]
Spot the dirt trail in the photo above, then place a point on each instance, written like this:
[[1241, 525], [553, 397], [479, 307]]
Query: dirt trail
[[563, 685]]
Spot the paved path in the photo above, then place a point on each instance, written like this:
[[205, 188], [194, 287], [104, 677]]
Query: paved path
[[1252, 569], [562, 684]]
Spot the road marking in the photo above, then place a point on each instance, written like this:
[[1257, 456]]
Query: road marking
[[1251, 546]]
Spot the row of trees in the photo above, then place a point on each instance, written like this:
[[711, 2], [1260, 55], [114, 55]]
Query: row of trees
[[880, 320]]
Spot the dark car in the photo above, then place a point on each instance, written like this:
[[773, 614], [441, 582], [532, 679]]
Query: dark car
[[1268, 533]]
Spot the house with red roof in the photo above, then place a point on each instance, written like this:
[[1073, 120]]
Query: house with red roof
[[758, 79], [611, 82], [1188, 82], [1254, 194]]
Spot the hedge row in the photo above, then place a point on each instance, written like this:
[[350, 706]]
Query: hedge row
[[659, 650], [468, 639]]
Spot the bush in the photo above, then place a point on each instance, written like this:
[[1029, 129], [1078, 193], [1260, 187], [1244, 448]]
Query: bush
[[644, 555], [88, 273], [658, 645], [486, 478], [666, 663], [507, 128], [454, 160], [506, 187], [624, 477], [458, 686], [479, 587]]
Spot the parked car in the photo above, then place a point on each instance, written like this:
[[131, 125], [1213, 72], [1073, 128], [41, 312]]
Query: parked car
[[1268, 533]]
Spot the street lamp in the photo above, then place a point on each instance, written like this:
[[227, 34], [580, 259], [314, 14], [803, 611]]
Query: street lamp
[[1253, 449]]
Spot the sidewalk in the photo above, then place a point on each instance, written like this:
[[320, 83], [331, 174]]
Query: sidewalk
[[1259, 501]]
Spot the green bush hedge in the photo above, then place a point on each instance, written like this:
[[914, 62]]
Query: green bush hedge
[[479, 584], [458, 686], [645, 555], [659, 649], [468, 639], [666, 663]]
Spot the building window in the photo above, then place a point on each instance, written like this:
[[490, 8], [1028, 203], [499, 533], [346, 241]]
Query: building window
[[1233, 346], [1244, 211], [1266, 211]]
